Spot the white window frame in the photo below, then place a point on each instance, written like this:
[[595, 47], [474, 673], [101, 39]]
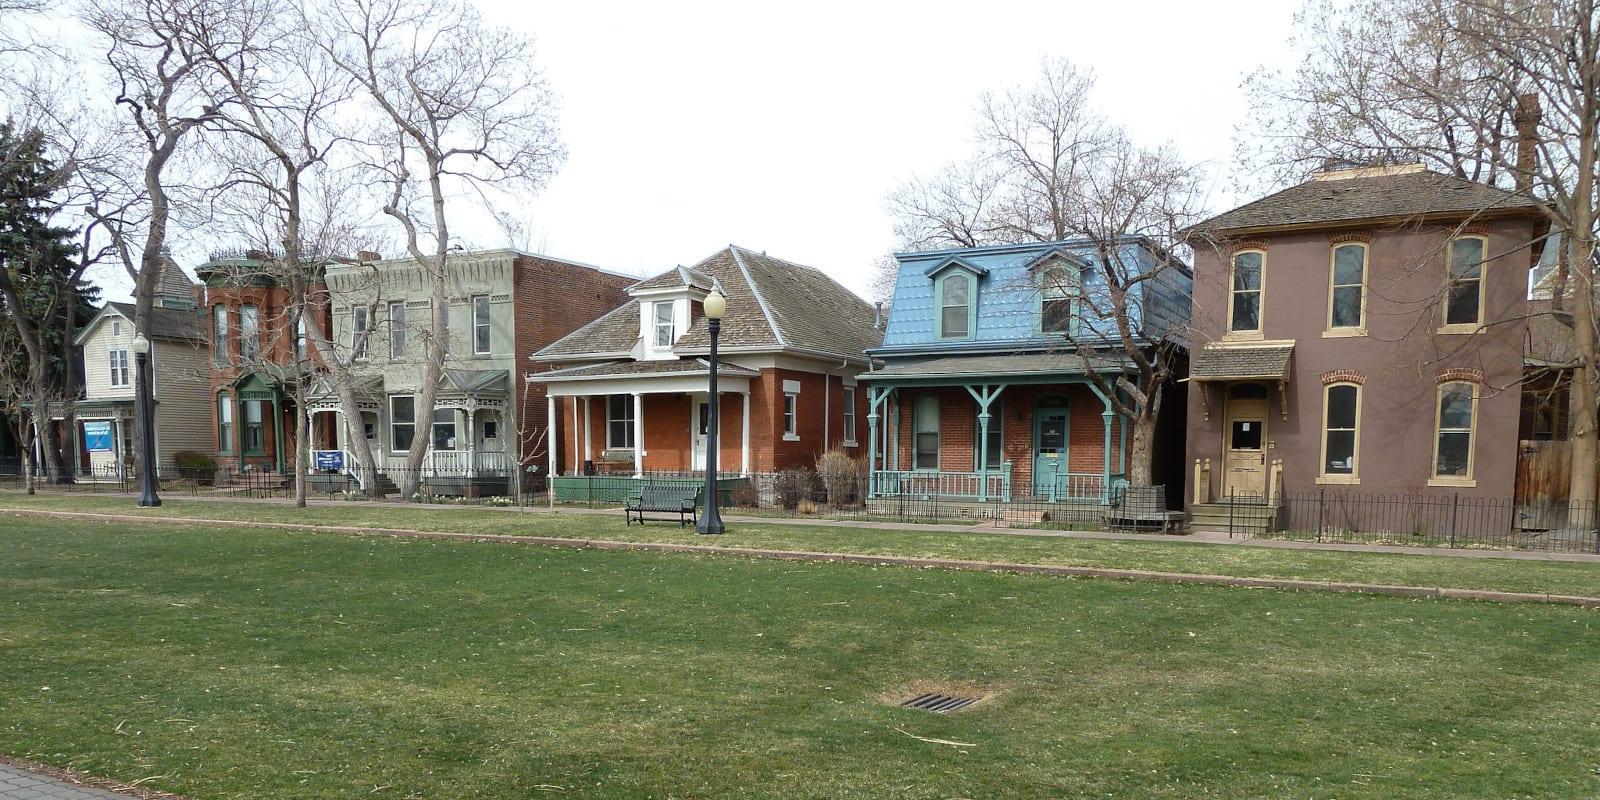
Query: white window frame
[[667, 326], [358, 326], [433, 429], [397, 330], [1469, 479], [926, 401], [219, 334], [791, 416], [626, 403], [968, 317], [847, 398], [1446, 326], [249, 331], [483, 344], [225, 442], [1354, 475], [1260, 292], [1360, 328], [393, 425], [119, 374]]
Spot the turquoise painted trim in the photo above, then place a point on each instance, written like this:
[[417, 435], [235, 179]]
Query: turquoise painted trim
[[955, 261]]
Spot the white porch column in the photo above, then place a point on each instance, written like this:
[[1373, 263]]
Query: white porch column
[[551, 423], [588, 432], [744, 435], [472, 439], [638, 435]]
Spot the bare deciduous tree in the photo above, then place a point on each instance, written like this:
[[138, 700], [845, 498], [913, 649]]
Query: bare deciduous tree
[[1446, 82]]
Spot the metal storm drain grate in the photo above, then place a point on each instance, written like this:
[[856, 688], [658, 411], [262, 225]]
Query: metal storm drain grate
[[940, 703]]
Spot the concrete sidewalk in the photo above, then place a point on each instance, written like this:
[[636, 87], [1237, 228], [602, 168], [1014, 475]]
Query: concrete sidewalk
[[17, 783]]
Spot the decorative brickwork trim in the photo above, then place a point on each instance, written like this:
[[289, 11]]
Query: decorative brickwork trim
[[1467, 374], [1363, 237], [1343, 376], [1243, 245], [1475, 229]]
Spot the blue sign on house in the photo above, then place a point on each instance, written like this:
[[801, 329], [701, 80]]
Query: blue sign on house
[[97, 436], [329, 459]]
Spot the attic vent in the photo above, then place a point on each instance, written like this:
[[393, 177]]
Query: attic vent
[[939, 703]]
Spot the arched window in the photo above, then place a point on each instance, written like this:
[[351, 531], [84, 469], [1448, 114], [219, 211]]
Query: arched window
[[1457, 425], [1244, 297], [1347, 289], [1059, 289], [1463, 309], [224, 422], [955, 306], [1341, 430]]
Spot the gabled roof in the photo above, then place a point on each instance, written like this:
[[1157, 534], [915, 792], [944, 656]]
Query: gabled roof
[[1402, 192], [675, 278], [173, 282], [773, 305], [1259, 361], [955, 261], [471, 381], [172, 324]]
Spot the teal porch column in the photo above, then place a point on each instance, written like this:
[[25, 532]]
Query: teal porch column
[[984, 394], [1105, 419], [278, 439]]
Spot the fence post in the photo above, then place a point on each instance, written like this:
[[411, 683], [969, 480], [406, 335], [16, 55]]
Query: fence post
[[1322, 499], [1231, 493], [1455, 506]]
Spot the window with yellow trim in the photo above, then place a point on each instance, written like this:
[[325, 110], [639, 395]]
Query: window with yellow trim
[[1347, 291], [1341, 420], [1464, 294], [1457, 422], [1244, 304]]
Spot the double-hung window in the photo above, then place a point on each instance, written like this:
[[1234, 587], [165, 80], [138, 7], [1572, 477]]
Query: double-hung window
[[1457, 418], [1244, 296], [481, 333], [118, 365], [1464, 294], [402, 422], [848, 399], [444, 429], [664, 330], [224, 423], [791, 416], [1340, 431], [619, 421], [249, 332], [358, 331], [1059, 299], [955, 306], [219, 334], [1347, 290], [397, 330], [254, 431], [925, 436]]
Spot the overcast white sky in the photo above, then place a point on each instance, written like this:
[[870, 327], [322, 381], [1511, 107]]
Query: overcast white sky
[[782, 127]]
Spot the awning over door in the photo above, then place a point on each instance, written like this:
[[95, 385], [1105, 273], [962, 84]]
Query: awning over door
[[1241, 363]]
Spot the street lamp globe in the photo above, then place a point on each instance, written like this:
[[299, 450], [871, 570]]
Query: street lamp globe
[[141, 345], [715, 305]]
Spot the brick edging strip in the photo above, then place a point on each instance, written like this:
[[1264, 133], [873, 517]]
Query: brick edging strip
[[1151, 576]]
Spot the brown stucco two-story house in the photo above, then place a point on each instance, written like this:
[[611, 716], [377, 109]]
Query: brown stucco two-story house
[[1362, 330]]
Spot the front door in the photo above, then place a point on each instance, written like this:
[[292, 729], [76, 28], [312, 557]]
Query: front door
[[1244, 442], [1049, 445], [702, 427]]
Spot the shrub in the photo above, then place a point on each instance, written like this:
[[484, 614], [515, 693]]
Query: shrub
[[808, 508], [842, 477], [197, 467], [793, 485], [744, 495]]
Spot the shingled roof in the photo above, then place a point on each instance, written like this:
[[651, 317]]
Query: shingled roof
[[1267, 362], [184, 324], [772, 305], [1401, 192]]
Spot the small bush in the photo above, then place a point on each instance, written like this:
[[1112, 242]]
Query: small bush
[[198, 467], [843, 477], [793, 485], [744, 495], [808, 508]]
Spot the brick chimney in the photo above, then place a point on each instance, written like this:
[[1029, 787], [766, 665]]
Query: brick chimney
[[368, 255], [1526, 121]]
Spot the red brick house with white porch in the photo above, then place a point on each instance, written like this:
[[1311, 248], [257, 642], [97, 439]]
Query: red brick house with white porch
[[629, 389]]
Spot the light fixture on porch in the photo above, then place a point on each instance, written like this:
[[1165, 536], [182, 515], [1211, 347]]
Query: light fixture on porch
[[143, 401], [715, 306]]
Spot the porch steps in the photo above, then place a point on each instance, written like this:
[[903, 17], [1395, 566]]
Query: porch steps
[[1242, 520]]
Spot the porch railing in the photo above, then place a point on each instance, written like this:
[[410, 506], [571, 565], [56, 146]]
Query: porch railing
[[1081, 486], [993, 485], [457, 462]]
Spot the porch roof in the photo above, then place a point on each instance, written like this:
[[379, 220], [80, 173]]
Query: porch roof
[[1014, 365], [643, 369], [1263, 361], [475, 381]]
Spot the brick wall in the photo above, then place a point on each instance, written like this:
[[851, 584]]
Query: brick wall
[[551, 299]]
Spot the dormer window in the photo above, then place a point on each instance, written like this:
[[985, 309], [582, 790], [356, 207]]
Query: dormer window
[[665, 332], [1059, 288], [955, 306]]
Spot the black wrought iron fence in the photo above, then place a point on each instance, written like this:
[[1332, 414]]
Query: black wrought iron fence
[[1445, 519]]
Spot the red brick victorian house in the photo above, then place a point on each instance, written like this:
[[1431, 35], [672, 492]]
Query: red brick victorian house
[[629, 389]]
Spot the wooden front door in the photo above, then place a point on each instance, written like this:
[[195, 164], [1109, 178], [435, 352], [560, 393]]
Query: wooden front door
[[1244, 442]]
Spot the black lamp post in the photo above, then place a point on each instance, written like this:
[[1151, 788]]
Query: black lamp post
[[711, 522], [147, 437]]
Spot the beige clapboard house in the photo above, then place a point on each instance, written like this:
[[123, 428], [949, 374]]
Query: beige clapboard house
[[103, 437]]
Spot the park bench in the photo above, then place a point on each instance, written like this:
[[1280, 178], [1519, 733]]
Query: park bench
[[663, 499], [1139, 507]]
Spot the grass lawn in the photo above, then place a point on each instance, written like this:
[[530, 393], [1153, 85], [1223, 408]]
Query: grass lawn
[[1156, 554], [237, 663]]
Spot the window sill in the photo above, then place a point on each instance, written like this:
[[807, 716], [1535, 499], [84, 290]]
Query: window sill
[[1339, 480], [790, 437], [848, 443], [1243, 336], [1344, 333], [1464, 483], [1468, 328]]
